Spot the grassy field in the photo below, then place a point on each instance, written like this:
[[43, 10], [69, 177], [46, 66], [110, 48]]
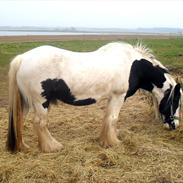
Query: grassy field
[[168, 51], [147, 154]]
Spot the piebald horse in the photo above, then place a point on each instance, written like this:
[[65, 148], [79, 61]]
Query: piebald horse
[[46, 74]]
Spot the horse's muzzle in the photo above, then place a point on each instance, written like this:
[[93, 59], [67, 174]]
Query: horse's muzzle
[[172, 125], [170, 122]]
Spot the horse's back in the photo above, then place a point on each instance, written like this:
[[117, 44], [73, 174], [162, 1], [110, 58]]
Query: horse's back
[[51, 54]]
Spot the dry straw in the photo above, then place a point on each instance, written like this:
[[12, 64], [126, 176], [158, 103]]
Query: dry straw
[[148, 153]]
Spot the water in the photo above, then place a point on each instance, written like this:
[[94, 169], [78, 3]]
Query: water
[[29, 33]]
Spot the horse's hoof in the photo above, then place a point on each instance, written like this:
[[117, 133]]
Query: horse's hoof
[[51, 147], [25, 146], [107, 144]]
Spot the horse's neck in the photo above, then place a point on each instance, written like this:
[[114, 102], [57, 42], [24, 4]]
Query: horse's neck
[[159, 93]]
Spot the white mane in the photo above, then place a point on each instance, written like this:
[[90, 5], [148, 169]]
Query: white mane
[[148, 53]]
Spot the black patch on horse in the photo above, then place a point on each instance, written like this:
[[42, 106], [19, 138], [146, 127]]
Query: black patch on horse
[[144, 75], [57, 89], [165, 103], [168, 101]]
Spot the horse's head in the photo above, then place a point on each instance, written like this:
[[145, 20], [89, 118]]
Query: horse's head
[[170, 106]]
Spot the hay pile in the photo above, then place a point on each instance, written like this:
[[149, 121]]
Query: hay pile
[[147, 153]]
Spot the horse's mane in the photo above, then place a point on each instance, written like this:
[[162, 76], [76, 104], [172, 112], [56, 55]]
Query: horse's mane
[[148, 53]]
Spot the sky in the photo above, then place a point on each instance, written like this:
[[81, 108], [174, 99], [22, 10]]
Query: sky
[[92, 13]]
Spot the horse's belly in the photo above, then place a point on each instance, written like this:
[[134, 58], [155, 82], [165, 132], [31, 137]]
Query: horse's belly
[[91, 90]]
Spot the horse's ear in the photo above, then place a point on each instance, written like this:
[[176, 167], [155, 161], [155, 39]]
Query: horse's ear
[[177, 88], [177, 92]]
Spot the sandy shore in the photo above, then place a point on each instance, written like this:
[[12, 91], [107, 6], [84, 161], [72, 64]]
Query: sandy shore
[[4, 39]]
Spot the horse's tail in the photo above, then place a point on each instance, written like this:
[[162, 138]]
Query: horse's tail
[[14, 138]]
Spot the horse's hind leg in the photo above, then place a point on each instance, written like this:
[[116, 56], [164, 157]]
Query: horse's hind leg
[[108, 135], [24, 145], [46, 142]]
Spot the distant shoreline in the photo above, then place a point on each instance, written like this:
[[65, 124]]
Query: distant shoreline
[[78, 33], [93, 30], [109, 37]]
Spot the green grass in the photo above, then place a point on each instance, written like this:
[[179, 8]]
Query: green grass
[[168, 51], [10, 50]]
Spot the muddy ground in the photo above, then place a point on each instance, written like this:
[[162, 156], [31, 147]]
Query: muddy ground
[[39, 38]]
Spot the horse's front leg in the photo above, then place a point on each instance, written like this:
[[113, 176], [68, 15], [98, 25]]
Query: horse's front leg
[[156, 109], [108, 135]]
